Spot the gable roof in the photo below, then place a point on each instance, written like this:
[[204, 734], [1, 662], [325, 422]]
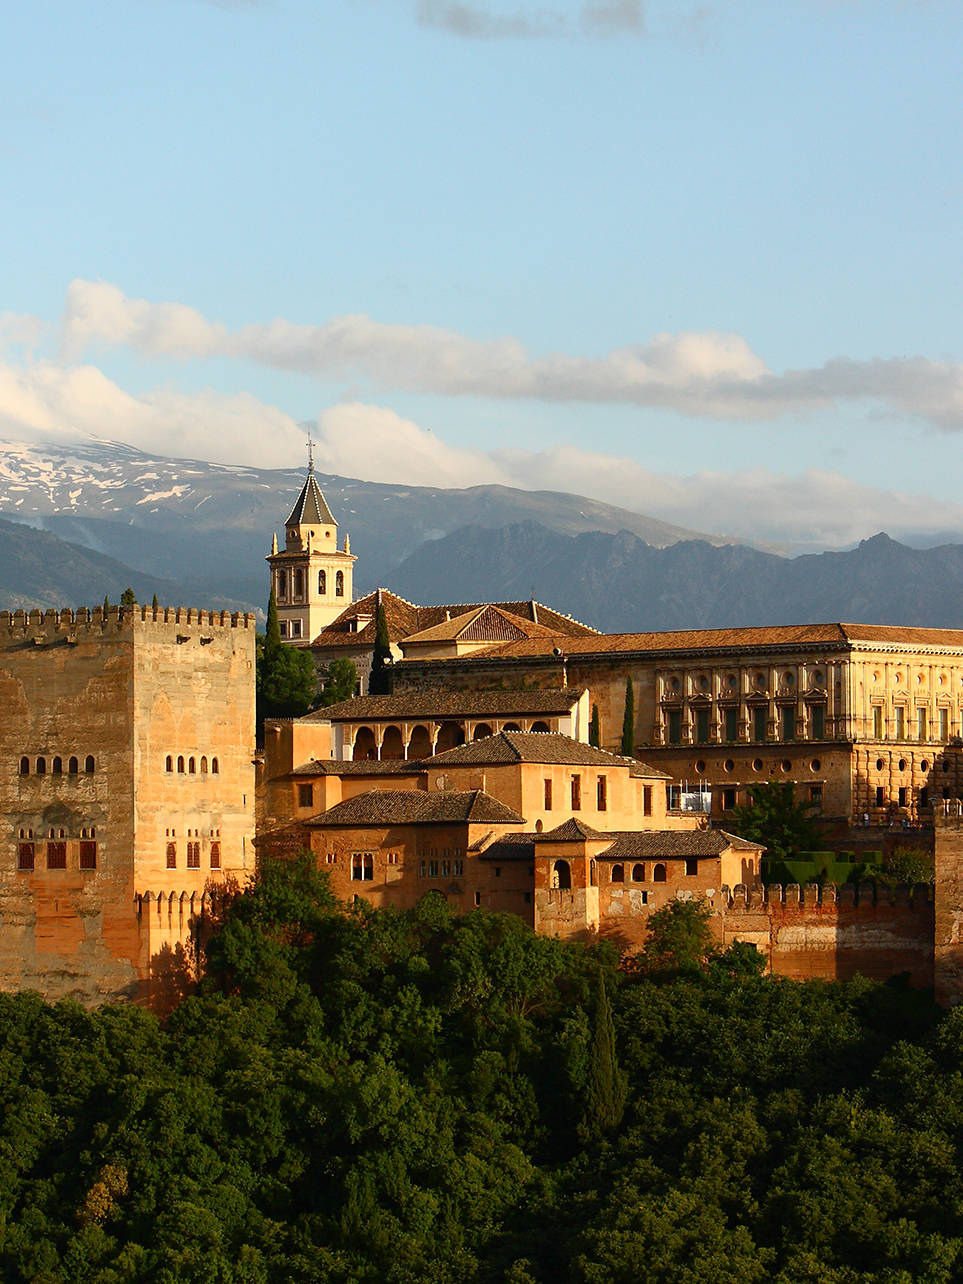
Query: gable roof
[[547, 747], [448, 704], [404, 619], [489, 623], [417, 807], [360, 767], [310, 508], [572, 830]]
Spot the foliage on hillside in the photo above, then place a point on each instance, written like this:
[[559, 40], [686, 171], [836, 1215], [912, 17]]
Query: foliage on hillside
[[402, 1097]]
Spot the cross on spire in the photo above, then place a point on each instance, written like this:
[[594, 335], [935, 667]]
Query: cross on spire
[[310, 454]]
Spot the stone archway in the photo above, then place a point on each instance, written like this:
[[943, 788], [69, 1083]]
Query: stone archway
[[392, 744], [365, 746]]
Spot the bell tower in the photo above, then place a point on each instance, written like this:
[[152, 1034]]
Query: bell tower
[[311, 576]]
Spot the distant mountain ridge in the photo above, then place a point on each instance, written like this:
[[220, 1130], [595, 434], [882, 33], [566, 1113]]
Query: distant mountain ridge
[[617, 583]]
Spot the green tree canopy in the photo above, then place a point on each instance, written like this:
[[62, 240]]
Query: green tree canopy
[[128, 597], [773, 818], [339, 682], [286, 679]]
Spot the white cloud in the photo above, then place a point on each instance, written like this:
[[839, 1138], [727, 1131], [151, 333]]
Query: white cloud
[[707, 374], [473, 21], [49, 402]]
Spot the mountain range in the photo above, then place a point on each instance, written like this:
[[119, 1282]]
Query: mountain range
[[105, 516]]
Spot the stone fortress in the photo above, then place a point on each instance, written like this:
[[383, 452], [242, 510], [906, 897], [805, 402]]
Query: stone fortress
[[133, 795]]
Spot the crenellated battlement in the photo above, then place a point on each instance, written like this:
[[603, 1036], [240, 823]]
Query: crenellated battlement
[[792, 896], [66, 625]]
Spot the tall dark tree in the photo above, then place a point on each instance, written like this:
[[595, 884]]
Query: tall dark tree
[[287, 681], [605, 1087], [155, 603], [128, 597], [379, 683], [628, 721], [106, 604], [595, 730]]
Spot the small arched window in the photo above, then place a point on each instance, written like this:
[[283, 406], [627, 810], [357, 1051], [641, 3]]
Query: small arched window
[[180, 763], [25, 766], [168, 763], [658, 874], [215, 855], [638, 873], [322, 583], [561, 874], [339, 584], [171, 855], [57, 767], [73, 766], [204, 764], [282, 584], [41, 767], [191, 766], [214, 767], [618, 874], [299, 583], [89, 764]]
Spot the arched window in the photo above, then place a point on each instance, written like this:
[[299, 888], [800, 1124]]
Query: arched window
[[191, 766], [57, 767], [214, 767], [180, 763], [203, 764], [299, 583], [89, 764], [73, 766], [168, 763], [638, 873], [25, 766], [282, 584], [322, 583], [339, 584], [171, 855], [618, 874], [41, 767], [658, 874], [215, 855], [193, 855], [561, 874]]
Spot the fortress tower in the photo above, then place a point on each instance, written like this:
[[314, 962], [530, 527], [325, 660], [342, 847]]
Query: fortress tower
[[311, 577]]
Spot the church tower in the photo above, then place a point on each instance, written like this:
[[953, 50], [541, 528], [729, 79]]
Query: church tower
[[311, 577]]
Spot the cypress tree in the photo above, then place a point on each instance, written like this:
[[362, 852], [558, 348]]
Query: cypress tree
[[605, 1085], [155, 603], [106, 604], [628, 721], [272, 633], [379, 682], [595, 731]]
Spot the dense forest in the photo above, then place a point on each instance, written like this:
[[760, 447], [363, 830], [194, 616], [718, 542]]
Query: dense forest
[[404, 1097]]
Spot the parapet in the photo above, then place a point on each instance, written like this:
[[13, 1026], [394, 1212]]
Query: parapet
[[815, 896], [45, 627]]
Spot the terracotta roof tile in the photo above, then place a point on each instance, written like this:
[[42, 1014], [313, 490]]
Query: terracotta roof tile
[[572, 830], [417, 807], [448, 704], [363, 767], [681, 640], [484, 624], [538, 747], [669, 843], [520, 846]]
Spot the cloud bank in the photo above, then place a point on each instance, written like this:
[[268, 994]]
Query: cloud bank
[[60, 405], [709, 374], [482, 22]]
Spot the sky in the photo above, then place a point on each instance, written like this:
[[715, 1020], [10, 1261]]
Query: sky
[[699, 260]]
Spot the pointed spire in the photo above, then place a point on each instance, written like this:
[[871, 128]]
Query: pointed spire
[[274, 543], [347, 543], [310, 455]]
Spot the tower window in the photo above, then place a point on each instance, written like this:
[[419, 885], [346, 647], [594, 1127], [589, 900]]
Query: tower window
[[339, 584], [88, 855], [73, 766], [41, 767], [57, 767], [171, 855], [576, 793], [168, 763], [299, 584], [282, 584], [191, 766], [322, 583], [57, 855], [180, 763], [89, 764], [214, 768], [25, 766], [215, 855]]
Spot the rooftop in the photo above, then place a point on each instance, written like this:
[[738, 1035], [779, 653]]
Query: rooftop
[[448, 704], [539, 747], [416, 807], [310, 508], [653, 844]]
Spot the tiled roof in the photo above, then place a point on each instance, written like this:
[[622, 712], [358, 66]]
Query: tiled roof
[[416, 807], [484, 624], [533, 746], [572, 830], [448, 704], [759, 638], [404, 619], [520, 846], [363, 767], [653, 844], [310, 508]]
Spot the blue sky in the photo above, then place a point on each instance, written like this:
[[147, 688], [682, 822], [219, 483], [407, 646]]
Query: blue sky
[[700, 260]]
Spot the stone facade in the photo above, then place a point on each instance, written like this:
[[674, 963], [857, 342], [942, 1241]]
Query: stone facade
[[126, 788]]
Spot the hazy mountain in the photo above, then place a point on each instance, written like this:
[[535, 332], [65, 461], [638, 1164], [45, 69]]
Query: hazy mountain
[[208, 526], [618, 583]]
